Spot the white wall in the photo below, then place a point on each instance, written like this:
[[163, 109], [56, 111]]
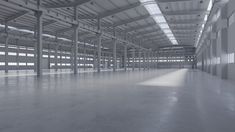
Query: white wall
[[217, 54]]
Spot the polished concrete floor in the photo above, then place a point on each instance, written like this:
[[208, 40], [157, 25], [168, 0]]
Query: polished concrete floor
[[173, 100]]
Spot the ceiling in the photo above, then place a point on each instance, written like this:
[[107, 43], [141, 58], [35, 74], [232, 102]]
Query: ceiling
[[129, 18]]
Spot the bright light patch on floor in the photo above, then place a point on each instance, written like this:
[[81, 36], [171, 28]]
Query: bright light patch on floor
[[173, 79]]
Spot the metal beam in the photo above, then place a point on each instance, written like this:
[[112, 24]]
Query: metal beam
[[158, 32], [118, 10], [186, 28], [21, 5], [157, 36], [196, 21], [48, 23], [123, 22], [114, 11], [173, 1], [64, 30], [15, 16], [186, 12], [140, 27], [151, 25], [71, 4], [154, 39]]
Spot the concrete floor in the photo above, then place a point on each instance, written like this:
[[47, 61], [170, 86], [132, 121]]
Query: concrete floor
[[141, 101]]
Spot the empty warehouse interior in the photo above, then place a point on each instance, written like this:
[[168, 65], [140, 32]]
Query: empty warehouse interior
[[117, 65]]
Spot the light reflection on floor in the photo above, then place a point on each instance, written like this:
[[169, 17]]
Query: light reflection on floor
[[172, 79]]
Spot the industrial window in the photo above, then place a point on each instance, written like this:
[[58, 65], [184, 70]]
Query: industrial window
[[2, 46], [45, 56], [52, 56], [30, 55], [67, 57], [24, 48], [22, 64], [12, 53], [52, 64], [231, 58], [2, 63], [2, 53], [218, 60], [12, 47], [30, 49], [30, 64], [12, 63], [22, 54]]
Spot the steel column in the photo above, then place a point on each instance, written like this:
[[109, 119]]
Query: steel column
[[35, 49], [71, 58], [94, 57], [17, 54], [125, 57], [144, 61], [99, 46], [99, 52], [133, 60], [139, 59], [109, 60], [75, 58], [148, 60], [39, 42], [49, 56], [84, 56], [114, 55], [6, 48], [56, 55], [75, 40]]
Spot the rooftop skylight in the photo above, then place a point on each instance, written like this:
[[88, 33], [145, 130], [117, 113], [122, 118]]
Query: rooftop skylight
[[153, 9], [205, 19]]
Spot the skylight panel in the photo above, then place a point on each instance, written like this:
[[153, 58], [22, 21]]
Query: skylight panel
[[210, 5], [166, 31], [159, 19], [153, 9], [163, 25]]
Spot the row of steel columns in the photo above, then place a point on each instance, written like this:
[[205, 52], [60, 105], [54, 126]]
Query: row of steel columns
[[38, 48]]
